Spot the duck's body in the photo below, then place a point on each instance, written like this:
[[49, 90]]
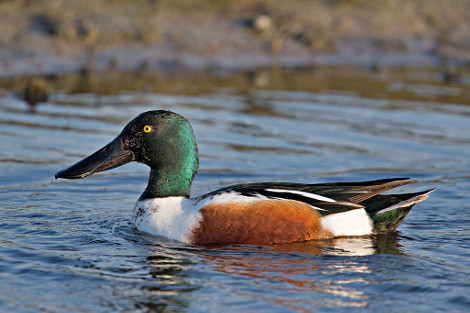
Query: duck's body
[[247, 213], [276, 213]]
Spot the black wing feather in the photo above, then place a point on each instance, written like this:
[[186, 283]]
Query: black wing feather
[[347, 195]]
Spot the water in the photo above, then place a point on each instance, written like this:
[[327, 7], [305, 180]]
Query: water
[[68, 246]]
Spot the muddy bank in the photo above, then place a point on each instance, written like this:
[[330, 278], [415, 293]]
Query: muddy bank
[[63, 36]]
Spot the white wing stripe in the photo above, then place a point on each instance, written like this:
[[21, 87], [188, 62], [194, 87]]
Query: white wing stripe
[[315, 207], [303, 193]]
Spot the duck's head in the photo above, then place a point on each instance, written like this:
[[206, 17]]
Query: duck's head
[[161, 139]]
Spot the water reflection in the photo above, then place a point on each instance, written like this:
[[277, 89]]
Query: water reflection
[[244, 135], [269, 273], [167, 279]]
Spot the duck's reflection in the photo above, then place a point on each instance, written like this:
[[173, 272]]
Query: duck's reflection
[[292, 276], [165, 279]]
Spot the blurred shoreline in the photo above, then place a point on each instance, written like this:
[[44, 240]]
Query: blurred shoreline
[[60, 37]]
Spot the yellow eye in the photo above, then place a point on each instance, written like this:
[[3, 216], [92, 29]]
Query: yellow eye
[[147, 129]]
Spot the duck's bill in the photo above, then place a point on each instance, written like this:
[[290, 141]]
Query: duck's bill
[[110, 156]]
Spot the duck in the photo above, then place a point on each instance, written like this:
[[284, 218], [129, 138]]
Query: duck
[[247, 213]]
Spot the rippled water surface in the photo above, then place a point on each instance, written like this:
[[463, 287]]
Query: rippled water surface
[[68, 246]]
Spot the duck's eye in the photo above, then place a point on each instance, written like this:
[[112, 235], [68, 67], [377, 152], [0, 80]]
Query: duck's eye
[[147, 129]]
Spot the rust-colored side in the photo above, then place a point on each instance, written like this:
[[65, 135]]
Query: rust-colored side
[[258, 222]]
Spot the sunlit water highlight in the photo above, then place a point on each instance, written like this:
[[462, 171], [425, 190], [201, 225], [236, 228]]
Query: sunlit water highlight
[[68, 246]]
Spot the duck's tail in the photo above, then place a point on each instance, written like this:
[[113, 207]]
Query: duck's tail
[[387, 211]]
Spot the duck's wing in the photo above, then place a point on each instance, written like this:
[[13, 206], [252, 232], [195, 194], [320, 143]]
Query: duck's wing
[[329, 198]]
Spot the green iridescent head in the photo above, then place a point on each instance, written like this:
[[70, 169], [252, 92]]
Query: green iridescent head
[[161, 139]]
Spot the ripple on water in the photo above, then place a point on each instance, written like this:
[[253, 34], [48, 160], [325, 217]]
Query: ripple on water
[[69, 245]]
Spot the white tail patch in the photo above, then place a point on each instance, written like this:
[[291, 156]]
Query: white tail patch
[[303, 193], [351, 223]]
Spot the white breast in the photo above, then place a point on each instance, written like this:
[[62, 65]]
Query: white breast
[[172, 217], [176, 217]]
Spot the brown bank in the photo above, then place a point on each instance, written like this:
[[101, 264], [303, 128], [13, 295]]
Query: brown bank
[[63, 36]]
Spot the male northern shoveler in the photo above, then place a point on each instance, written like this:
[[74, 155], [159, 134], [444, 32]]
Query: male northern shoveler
[[246, 213]]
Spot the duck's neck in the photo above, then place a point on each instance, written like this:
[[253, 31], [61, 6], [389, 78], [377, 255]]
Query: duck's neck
[[168, 183]]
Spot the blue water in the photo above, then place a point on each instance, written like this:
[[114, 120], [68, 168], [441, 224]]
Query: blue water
[[68, 246]]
